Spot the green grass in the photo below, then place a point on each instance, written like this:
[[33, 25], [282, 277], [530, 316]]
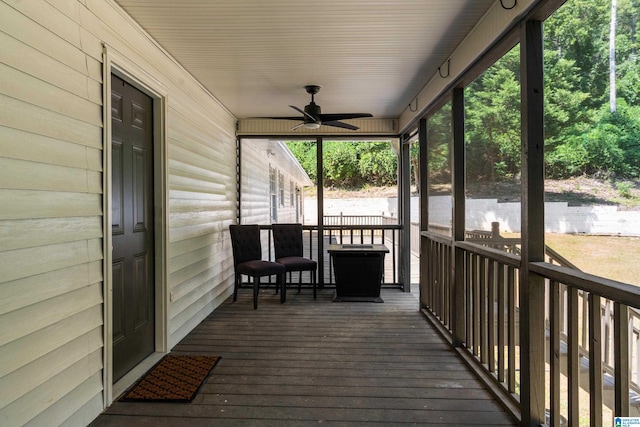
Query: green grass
[[613, 257]]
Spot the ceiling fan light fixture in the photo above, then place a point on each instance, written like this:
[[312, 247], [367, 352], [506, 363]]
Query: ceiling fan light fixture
[[312, 117]]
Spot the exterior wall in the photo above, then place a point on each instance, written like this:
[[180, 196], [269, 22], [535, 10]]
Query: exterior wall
[[52, 297], [254, 184], [258, 158]]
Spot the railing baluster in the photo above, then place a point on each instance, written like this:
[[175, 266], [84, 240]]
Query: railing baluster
[[484, 320], [446, 277], [512, 331], [430, 273], [573, 357], [477, 302], [393, 258], [469, 299], [595, 360], [438, 287], [501, 323], [554, 351], [491, 315], [621, 363]]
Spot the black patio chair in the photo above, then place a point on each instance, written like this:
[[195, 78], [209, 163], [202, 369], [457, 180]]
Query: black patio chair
[[288, 245], [247, 260]]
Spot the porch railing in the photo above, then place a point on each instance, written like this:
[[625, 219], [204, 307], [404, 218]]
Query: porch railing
[[592, 328], [353, 230]]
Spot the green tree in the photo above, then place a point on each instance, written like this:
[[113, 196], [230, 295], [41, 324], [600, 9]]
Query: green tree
[[377, 164], [439, 140], [567, 117], [613, 145], [579, 32], [305, 152], [340, 161], [493, 121]]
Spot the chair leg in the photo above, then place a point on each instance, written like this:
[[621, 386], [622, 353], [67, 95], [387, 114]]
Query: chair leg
[[281, 279], [313, 279], [236, 285], [299, 281], [256, 289]]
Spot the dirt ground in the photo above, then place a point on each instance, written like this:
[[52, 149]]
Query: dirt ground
[[581, 191]]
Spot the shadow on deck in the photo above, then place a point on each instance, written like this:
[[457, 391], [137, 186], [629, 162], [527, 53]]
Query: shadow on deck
[[310, 362]]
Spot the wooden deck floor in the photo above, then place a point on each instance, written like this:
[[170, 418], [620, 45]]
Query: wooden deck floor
[[310, 362]]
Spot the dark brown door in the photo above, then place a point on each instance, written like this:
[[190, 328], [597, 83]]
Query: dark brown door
[[132, 231]]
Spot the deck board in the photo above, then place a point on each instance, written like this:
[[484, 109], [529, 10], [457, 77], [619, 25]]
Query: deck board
[[308, 362]]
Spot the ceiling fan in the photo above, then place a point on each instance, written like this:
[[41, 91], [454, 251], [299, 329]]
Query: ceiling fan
[[312, 117]]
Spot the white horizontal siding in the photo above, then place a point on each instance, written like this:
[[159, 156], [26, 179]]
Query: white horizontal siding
[[43, 149], [51, 201], [255, 201], [255, 186], [22, 352]]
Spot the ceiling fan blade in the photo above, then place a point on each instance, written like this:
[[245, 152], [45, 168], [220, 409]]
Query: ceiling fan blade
[[304, 113], [297, 126], [333, 117], [338, 124]]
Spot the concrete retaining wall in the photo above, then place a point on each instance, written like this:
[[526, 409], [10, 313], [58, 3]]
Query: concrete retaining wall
[[560, 217]]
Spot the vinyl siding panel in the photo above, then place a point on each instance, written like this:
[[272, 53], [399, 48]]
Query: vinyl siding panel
[[51, 201], [255, 186], [48, 204], [21, 381], [27, 233], [43, 149], [41, 399], [256, 191], [22, 352], [24, 116]]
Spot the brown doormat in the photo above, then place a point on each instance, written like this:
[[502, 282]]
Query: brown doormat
[[173, 379]]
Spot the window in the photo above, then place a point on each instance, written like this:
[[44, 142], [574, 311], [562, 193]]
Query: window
[[291, 193], [281, 187], [272, 194]]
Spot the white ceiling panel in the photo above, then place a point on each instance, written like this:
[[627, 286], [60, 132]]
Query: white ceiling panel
[[255, 56]]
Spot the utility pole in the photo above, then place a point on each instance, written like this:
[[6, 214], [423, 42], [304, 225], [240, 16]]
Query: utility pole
[[612, 57]]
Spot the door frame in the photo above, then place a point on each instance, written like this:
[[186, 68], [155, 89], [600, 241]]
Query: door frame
[[118, 64]]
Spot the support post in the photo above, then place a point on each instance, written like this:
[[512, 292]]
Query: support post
[[320, 211], [238, 180], [532, 288], [424, 211], [405, 210], [458, 311]]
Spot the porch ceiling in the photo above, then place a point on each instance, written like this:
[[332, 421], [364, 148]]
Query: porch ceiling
[[255, 56]]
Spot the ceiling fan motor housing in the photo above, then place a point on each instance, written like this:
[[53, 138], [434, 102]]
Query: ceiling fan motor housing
[[312, 109]]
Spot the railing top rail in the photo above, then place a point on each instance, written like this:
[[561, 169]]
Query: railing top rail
[[344, 227], [622, 293], [354, 216], [498, 241], [439, 238], [496, 254], [553, 254], [362, 227]]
